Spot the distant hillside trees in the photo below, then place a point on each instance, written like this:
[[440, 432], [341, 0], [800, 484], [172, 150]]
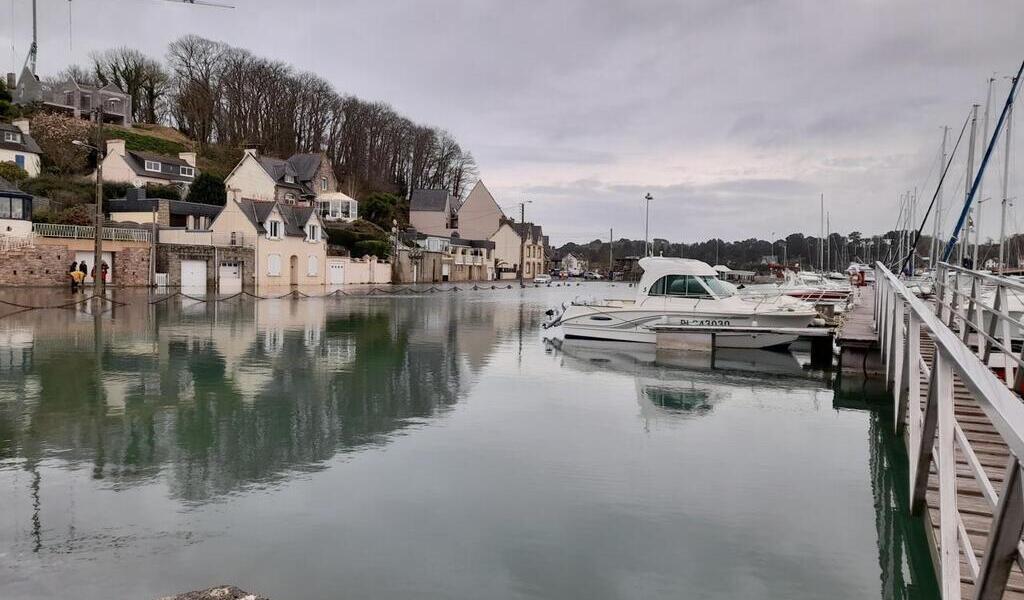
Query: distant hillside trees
[[225, 95]]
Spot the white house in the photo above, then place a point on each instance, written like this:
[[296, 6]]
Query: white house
[[300, 179], [141, 168], [18, 147], [15, 211]]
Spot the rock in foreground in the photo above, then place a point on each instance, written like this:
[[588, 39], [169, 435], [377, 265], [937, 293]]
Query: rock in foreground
[[220, 592]]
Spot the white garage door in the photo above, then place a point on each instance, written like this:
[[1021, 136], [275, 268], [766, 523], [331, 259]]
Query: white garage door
[[193, 274], [230, 277], [335, 273]]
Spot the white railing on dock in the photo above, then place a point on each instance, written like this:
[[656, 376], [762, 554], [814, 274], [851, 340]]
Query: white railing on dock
[[115, 234], [206, 238], [936, 438]]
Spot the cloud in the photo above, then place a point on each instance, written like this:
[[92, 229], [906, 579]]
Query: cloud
[[715, 106]]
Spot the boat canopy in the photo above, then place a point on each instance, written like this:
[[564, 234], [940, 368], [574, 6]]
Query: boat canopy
[[657, 266]]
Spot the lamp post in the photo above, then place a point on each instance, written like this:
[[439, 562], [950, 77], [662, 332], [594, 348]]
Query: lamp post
[[647, 223]]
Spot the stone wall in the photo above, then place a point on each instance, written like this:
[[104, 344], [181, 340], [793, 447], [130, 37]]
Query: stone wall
[[428, 267], [47, 265], [169, 257]]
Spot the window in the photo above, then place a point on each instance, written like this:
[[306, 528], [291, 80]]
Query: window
[[274, 265], [188, 172], [234, 238], [274, 230], [323, 184], [312, 233], [313, 266], [15, 208], [152, 165], [718, 287], [289, 197], [69, 98], [289, 179], [85, 102], [685, 286], [12, 136], [19, 159]]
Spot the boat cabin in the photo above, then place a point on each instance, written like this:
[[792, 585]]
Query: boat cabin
[[681, 278]]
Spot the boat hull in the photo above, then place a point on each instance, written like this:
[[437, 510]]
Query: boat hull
[[625, 326]]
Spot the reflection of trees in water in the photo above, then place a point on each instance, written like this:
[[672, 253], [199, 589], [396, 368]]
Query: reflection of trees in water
[[903, 555], [182, 408]]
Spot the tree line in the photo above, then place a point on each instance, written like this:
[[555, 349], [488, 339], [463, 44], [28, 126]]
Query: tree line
[[220, 95], [795, 249]]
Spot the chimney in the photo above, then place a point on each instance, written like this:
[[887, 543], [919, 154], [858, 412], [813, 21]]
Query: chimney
[[11, 83], [188, 157], [253, 152], [115, 146], [21, 124]]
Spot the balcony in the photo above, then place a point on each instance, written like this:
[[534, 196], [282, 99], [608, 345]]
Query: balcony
[[88, 232], [189, 237]]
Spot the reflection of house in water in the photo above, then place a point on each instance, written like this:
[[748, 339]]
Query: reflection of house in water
[[222, 395]]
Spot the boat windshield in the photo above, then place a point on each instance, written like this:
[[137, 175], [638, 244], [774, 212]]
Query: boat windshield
[[718, 287]]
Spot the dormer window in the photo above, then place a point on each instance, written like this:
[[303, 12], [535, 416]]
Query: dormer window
[[274, 230], [12, 136], [153, 166], [312, 233], [188, 172], [289, 179]]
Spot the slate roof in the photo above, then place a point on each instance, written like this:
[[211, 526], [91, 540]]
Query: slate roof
[[302, 167], [170, 166], [9, 189], [176, 207], [429, 200], [28, 143], [295, 217]]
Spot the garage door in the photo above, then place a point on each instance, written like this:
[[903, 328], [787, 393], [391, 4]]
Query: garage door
[[335, 273], [193, 274], [230, 276]]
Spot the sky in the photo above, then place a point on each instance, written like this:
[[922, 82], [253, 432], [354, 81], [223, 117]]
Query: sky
[[736, 116]]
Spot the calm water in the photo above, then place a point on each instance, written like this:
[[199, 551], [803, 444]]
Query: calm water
[[429, 447]]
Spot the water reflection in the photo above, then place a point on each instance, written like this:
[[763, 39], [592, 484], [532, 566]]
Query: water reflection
[[225, 395]]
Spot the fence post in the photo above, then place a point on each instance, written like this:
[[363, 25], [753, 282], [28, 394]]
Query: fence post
[[948, 513], [1004, 537]]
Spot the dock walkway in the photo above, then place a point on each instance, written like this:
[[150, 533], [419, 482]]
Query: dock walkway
[[962, 422]]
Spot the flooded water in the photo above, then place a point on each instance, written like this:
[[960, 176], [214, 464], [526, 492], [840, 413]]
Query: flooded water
[[429, 446]]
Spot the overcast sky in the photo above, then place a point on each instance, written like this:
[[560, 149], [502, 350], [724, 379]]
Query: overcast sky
[[734, 115]]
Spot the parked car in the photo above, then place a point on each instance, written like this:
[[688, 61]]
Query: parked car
[[542, 278], [592, 275]]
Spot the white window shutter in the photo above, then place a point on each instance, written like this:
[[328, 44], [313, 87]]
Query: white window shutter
[[314, 266], [273, 264]]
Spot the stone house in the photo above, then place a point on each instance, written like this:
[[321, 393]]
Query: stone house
[[18, 146], [76, 99], [297, 180]]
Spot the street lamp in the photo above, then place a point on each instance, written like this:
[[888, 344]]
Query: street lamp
[[647, 223]]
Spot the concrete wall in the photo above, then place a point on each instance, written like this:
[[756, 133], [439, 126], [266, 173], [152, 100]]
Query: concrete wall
[[426, 269], [47, 262], [32, 163], [430, 222], [364, 271], [169, 257]]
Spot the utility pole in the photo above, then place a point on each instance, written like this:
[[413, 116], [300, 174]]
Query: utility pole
[[99, 281], [647, 223], [1006, 173], [522, 238]]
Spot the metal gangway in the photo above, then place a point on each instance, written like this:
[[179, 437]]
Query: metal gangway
[[963, 422]]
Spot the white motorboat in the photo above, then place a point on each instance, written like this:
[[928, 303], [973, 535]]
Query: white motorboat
[[680, 291], [804, 285]]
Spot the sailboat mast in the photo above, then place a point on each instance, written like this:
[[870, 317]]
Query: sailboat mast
[[1006, 179], [821, 240], [828, 242], [970, 175], [936, 226], [911, 242]]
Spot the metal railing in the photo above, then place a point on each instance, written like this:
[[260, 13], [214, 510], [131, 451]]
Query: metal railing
[[115, 234], [16, 242], [937, 439]]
